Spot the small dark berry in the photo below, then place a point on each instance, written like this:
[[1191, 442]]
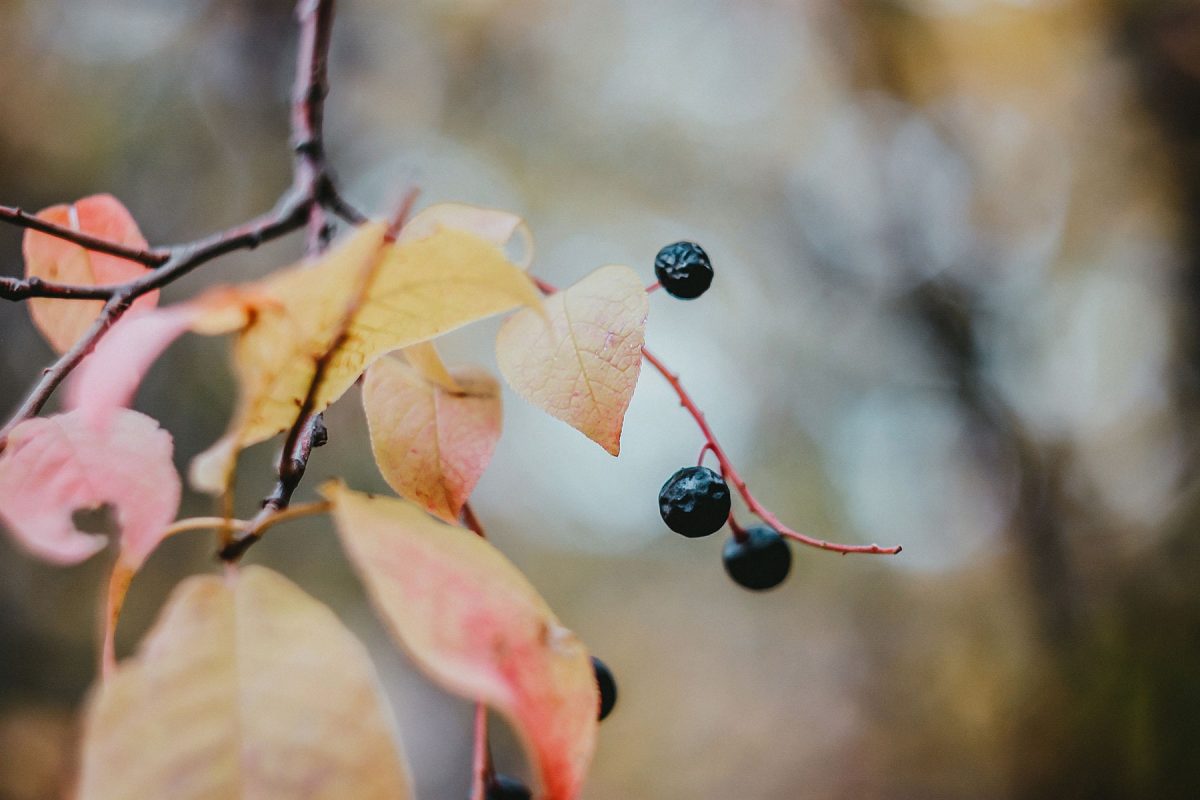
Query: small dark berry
[[759, 562], [684, 270], [503, 787], [694, 502], [608, 687]]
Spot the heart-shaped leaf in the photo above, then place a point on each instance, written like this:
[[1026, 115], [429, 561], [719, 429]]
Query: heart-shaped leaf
[[583, 365]]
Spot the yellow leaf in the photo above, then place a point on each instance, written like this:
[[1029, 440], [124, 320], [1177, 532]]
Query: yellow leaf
[[361, 300], [431, 445], [583, 366], [245, 689], [472, 621], [498, 227], [426, 360]]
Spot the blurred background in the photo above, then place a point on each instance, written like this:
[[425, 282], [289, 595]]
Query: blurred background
[[958, 282]]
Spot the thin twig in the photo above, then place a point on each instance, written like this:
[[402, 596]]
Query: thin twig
[[481, 762], [295, 209], [731, 474], [23, 219]]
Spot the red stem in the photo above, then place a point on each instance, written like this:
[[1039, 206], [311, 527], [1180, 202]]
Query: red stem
[[481, 761], [731, 474]]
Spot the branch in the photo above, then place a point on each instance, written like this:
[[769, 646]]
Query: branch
[[288, 216], [728, 470], [731, 474], [22, 219], [300, 206]]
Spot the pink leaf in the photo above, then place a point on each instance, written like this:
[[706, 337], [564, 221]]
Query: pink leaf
[[108, 378], [47, 257], [54, 466], [476, 625]]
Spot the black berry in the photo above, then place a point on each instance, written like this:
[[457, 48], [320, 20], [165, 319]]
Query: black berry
[[759, 562], [503, 787], [608, 687], [684, 270], [694, 502]]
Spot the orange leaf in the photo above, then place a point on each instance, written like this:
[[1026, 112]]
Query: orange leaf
[[244, 689], [54, 466], [475, 624], [361, 300], [62, 322], [583, 365], [431, 444]]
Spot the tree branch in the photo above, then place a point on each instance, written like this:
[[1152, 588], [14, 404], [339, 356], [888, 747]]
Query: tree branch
[[301, 205], [23, 219]]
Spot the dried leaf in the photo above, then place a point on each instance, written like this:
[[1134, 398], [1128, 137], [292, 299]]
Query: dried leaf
[[361, 300], [62, 322], [249, 689], [583, 366], [476, 625], [431, 445], [54, 466]]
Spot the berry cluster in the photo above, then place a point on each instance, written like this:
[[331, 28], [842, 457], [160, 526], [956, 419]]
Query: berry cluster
[[695, 501]]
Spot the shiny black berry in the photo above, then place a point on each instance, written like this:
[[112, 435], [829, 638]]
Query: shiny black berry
[[608, 687], [694, 502], [761, 561], [503, 787], [684, 270]]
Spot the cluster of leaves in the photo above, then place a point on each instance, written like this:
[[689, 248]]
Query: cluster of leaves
[[368, 308], [246, 687]]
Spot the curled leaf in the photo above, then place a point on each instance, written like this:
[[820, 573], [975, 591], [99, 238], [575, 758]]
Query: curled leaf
[[245, 689], [431, 444], [326, 322], [582, 366], [501, 228], [62, 322], [472, 621], [55, 466]]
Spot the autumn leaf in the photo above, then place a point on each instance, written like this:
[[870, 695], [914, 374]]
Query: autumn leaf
[[500, 228], [472, 621], [328, 321], [62, 322], [583, 366], [245, 688], [431, 444], [55, 466], [426, 360]]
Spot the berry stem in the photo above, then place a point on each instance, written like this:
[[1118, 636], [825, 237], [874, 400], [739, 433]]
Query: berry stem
[[731, 474], [481, 763], [739, 533]]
